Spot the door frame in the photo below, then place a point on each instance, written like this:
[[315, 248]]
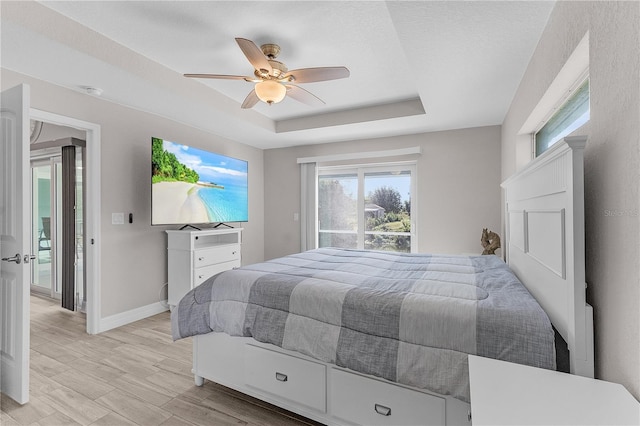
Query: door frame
[[92, 209]]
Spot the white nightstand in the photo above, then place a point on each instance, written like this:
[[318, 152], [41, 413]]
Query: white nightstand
[[504, 393]]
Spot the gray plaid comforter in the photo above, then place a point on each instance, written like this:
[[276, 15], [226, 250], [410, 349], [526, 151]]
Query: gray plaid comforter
[[409, 318]]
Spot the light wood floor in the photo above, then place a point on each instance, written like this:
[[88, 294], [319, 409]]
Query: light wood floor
[[133, 375]]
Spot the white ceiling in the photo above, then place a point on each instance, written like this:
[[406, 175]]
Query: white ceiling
[[416, 66]]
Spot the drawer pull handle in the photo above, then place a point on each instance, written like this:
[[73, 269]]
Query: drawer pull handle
[[281, 377], [201, 259], [382, 410]]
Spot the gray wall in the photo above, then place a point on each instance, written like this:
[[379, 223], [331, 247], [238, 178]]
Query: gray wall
[[134, 256], [458, 188], [612, 167]]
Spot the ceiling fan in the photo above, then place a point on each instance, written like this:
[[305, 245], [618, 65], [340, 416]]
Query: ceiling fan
[[272, 78]]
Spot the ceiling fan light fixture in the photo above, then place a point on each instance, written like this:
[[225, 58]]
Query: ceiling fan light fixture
[[272, 78], [270, 91]]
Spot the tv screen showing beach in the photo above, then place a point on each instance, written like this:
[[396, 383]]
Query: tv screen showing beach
[[193, 186]]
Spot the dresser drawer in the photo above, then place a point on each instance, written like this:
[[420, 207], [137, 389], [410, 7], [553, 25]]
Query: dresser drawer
[[200, 275], [295, 379], [210, 256], [372, 402]]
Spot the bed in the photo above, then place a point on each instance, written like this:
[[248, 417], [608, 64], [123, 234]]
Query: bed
[[354, 337]]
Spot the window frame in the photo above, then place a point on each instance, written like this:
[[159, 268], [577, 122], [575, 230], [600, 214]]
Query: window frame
[[566, 102], [360, 170]]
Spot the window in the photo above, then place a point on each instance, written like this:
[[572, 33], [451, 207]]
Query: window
[[366, 207], [569, 117]]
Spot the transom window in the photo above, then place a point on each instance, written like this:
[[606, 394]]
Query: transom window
[[570, 116], [367, 207]]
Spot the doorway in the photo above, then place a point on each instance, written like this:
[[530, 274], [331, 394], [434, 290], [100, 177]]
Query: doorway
[[15, 231], [57, 225], [90, 132]]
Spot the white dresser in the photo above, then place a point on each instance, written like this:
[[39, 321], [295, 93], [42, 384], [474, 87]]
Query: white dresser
[[194, 256]]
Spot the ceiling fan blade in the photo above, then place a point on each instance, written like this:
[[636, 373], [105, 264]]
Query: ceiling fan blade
[[220, 76], [254, 55], [302, 95], [310, 75], [250, 100]]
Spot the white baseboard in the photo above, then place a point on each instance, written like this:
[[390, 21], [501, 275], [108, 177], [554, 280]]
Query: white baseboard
[[124, 318]]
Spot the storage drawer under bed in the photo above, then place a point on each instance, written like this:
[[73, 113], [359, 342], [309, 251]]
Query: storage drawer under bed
[[289, 377], [368, 401]]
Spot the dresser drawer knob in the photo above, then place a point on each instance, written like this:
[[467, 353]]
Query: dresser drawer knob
[[201, 259], [382, 410], [281, 377]]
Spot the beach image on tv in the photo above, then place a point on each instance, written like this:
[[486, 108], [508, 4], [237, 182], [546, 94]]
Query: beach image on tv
[[193, 186]]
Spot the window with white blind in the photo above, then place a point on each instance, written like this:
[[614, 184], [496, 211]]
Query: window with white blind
[[367, 207]]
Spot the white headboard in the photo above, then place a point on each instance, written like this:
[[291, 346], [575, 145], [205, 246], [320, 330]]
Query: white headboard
[[544, 217]]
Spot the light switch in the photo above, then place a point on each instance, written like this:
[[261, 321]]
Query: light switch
[[117, 218]]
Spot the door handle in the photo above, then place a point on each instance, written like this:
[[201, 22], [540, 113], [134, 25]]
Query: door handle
[[15, 258], [28, 257]]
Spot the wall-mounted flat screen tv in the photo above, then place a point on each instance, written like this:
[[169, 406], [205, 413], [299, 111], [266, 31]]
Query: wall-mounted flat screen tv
[[192, 186]]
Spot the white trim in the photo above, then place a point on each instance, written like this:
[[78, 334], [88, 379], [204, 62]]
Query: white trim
[[362, 155], [571, 76], [92, 206], [353, 168], [137, 314]]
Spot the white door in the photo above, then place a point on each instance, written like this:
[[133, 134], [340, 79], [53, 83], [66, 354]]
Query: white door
[[15, 247]]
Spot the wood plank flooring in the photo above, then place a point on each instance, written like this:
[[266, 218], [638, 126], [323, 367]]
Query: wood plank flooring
[[133, 375]]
